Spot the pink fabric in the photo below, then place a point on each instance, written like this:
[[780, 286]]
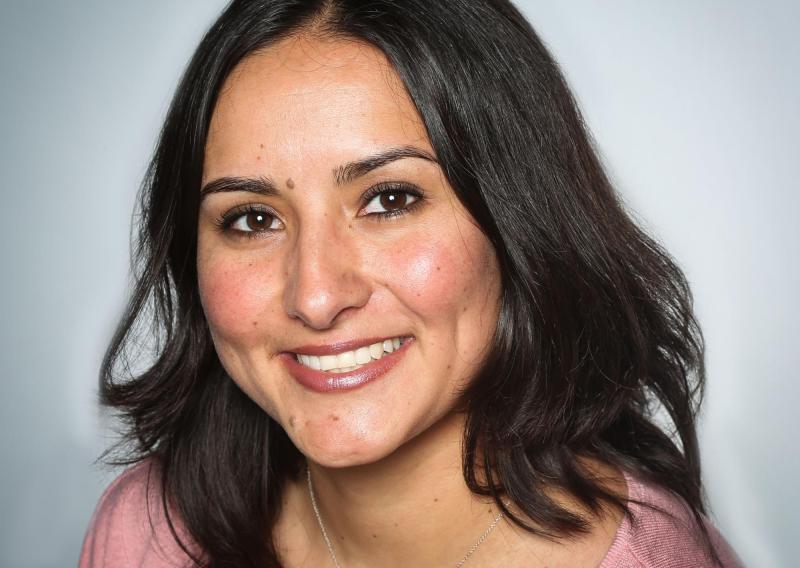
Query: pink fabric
[[120, 533], [667, 539]]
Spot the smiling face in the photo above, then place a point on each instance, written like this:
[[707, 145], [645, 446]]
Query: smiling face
[[327, 229]]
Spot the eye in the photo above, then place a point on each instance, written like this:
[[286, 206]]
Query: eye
[[388, 200], [255, 221], [250, 220]]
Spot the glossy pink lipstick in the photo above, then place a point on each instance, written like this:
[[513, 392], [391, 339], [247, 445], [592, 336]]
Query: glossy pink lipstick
[[326, 381]]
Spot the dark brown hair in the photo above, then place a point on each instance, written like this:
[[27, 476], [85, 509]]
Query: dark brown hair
[[596, 332]]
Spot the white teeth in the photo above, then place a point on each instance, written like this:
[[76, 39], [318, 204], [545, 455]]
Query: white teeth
[[346, 359], [350, 360], [327, 362], [362, 355], [376, 350]]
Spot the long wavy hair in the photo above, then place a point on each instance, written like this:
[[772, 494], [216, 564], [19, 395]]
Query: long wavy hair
[[596, 337]]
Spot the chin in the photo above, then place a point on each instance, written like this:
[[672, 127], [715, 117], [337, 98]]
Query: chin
[[341, 447], [336, 460]]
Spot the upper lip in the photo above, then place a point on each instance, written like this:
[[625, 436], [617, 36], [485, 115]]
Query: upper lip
[[340, 346]]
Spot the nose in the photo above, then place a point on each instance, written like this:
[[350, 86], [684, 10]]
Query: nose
[[325, 276]]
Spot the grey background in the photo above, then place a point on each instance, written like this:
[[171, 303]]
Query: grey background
[[693, 106]]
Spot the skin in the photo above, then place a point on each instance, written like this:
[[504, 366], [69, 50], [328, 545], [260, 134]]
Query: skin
[[386, 456]]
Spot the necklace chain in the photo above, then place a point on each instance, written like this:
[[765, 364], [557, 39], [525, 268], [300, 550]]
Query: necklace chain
[[325, 536], [319, 519]]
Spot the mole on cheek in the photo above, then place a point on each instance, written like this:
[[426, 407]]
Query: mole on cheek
[[290, 183]]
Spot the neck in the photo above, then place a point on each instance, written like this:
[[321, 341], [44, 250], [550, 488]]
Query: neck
[[412, 508]]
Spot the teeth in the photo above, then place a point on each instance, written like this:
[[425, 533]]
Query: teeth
[[350, 360], [346, 359], [376, 350], [362, 355], [327, 362]]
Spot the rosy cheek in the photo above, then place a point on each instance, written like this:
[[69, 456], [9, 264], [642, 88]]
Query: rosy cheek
[[236, 296], [430, 275]]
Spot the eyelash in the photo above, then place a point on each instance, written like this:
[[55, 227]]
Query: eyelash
[[393, 187], [226, 221]]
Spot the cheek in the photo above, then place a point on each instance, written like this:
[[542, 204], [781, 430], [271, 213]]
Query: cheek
[[236, 296], [443, 276]]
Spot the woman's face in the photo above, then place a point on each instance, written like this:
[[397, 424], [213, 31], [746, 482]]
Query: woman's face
[[327, 229]]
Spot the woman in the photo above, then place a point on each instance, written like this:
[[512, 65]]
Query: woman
[[400, 316]]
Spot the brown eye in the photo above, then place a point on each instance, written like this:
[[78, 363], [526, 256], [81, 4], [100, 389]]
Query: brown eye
[[255, 222], [393, 200]]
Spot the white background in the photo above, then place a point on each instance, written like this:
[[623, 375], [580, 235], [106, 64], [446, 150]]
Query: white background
[[694, 109]]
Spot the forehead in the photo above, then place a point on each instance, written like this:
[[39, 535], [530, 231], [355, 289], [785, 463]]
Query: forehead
[[323, 100]]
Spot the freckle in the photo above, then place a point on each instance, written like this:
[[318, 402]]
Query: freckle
[[260, 145], [307, 423], [438, 268], [255, 323], [395, 524], [258, 158], [333, 418], [290, 183], [435, 499], [374, 535]]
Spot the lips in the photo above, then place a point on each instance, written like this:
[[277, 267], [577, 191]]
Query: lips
[[326, 382]]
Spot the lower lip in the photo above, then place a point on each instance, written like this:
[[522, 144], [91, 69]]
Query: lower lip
[[325, 382]]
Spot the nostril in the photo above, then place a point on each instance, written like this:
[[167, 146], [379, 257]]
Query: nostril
[[320, 307]]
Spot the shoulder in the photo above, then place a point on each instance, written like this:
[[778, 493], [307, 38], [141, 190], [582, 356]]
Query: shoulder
[[129, 527], [661, 531]]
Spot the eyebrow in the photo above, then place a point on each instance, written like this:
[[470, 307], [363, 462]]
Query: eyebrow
[[348, 172], [259, 185], [342, 175]]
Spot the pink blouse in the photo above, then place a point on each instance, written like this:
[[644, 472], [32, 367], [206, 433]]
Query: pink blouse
[[121, 534]]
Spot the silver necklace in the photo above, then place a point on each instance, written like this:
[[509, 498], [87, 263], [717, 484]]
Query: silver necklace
[[325, 536]]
